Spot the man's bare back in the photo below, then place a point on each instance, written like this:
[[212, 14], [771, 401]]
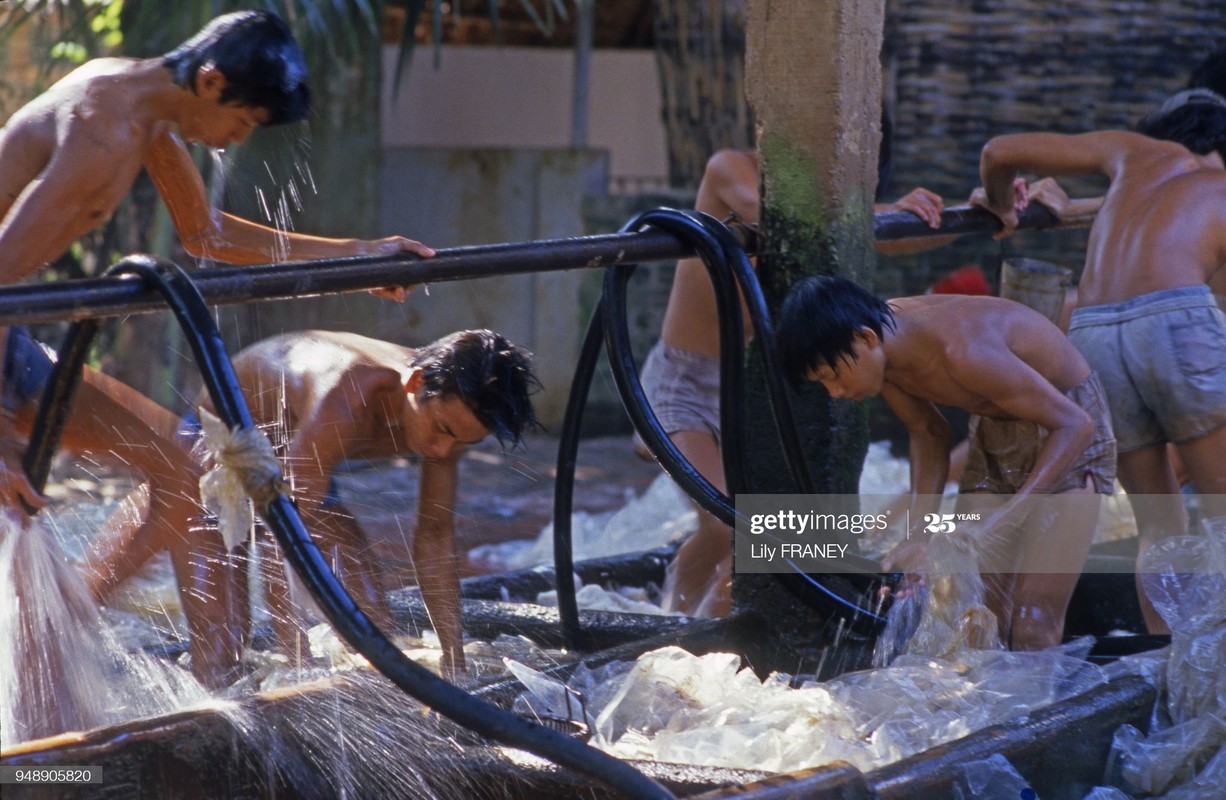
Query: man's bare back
[[1042, 418], [949, 348], [332, 396], [67, 158], [1146, 319], [286, 379]]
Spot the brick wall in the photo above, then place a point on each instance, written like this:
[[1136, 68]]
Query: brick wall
[[958, 73]]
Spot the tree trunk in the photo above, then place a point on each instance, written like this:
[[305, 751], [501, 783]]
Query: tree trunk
[[700, 50]]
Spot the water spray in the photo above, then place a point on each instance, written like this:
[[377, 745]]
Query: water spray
[[281, 516]]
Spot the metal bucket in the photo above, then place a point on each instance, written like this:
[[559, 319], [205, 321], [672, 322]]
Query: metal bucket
[[1038, 284]]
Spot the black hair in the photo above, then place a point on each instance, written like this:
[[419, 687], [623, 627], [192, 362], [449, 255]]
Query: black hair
[[489, 374], [1195, 118], [1211, 73], [256, 52], [818, 323]]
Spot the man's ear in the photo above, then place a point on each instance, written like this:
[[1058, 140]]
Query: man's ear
[[210, 82], [414, 380], [869, 337]]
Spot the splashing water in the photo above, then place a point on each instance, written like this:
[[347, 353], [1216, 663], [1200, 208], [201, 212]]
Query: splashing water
[[61, 666], [946, 615], [276, 210], [356, 736]]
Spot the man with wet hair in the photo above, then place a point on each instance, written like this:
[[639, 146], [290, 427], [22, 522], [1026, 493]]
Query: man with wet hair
[[1042, 428], [67, 159], [329, 397], [261, 61], [1146, 319]]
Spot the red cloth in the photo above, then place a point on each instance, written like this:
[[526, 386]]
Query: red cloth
[[964, 280]]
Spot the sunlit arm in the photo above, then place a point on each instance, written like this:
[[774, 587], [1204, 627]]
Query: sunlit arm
[[434, 557], [929, 437], [1021, 393], [1049, 154], [209, 233]]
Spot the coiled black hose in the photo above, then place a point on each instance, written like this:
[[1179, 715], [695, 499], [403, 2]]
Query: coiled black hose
[[724, 260], [300, 550]]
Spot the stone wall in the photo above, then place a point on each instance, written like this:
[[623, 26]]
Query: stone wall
[[958, 73]]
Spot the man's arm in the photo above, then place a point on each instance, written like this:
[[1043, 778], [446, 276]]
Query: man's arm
[[1051, 195], [928, 433], [925, 204], [730, 186], [434, 557], [209, 233], [1020, 392], [1049, 154]]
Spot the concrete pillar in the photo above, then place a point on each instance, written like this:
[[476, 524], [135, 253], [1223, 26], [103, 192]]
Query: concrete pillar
[[814, 84]]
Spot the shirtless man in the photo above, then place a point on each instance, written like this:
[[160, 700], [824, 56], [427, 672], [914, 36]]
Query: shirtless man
[[1043, 427], [332, 397], [66, 161], [681, 376], [1146, 320]]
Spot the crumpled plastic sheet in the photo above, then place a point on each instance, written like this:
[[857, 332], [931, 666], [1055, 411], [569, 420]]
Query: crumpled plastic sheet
[[622, 599], [1152, 765], [993, 778], [947, 615], [1107, 793], [1185, 754], [709, 710]]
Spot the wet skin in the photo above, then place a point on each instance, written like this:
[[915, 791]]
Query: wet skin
[[1162, 225], [67, 159], [998, 359]]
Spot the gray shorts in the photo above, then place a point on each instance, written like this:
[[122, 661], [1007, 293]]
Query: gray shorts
[[1162, 360], [683, 389]]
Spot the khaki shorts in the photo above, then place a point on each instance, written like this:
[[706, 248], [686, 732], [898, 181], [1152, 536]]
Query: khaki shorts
[[1003, 452], [1162, 360]]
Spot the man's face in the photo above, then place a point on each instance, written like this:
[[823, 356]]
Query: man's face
[[227, 124], [217, 123], [858, 375], [441, 426]]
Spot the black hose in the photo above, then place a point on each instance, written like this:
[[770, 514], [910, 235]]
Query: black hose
[[56, 404], [679, 468], [625, 371], [564, 482], [716, 252], [724, 258], [764, 333], [300, 550]]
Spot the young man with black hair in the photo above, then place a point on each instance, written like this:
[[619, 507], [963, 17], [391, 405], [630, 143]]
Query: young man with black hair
[[67, 159], [1146, 319], [1042, 428], [330, 397]]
